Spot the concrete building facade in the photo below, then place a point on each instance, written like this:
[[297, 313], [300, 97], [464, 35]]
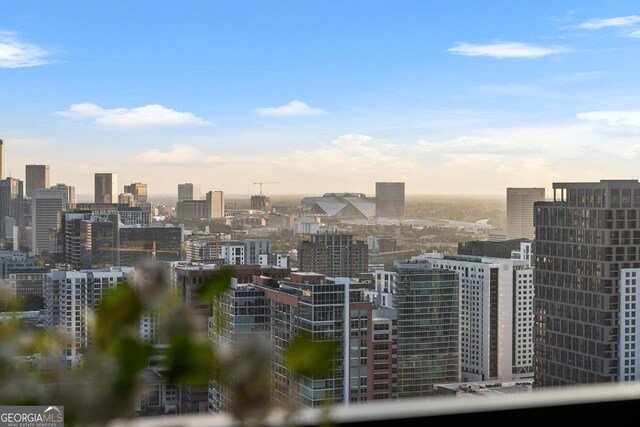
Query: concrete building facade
[[390, 200], [520, 211], [36, 177], [189, 191]]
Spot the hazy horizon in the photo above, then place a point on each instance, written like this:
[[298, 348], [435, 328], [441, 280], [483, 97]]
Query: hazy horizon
[[454, 97]]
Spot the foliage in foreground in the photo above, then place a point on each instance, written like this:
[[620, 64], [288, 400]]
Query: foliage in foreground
[[106, 385]]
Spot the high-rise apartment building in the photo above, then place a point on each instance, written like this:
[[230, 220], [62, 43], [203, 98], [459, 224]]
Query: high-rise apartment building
[[46, 208], [70, 296], [334, 255], [188, 191], [520, 211], [586, 250], [390, 200], [496, 315], [106, 188], [241, 314], [322, 308], [77, 233], [253, 248], [11, 200], [428, 311], [36, 177]]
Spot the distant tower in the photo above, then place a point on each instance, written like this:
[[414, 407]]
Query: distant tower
[[139, 192], [11, 199], [261, 203], [46, 218], [69, 194], [37, 176], [520, 211], [1, 160], [390, 200], [106, 188], [215, 204], [188, 191]]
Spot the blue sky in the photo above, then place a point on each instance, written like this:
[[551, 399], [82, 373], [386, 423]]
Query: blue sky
[[451, 97]]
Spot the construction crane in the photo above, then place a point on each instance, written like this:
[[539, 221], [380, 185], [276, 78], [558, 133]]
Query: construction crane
[[260, 183], [152, 251]]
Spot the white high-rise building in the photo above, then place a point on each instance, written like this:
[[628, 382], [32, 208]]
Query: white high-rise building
[[69, 298], [496, 315], [232, 253], [520, 211]]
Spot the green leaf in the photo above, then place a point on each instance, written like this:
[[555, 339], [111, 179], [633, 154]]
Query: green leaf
[[133, 356], [190, 362], [216, 285], [311, 358], [119, 309]]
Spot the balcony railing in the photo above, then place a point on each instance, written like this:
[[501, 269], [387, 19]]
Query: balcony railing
[[587, 404]]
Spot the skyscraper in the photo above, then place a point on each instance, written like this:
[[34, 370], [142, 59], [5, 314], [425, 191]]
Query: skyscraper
[[390, 200], [69, 298], [334, 255], [36, 176], [428, 328], [188, 191], [1, 159], [585, 311], [106, 188], [520, 211], [139, 191], [11, 199], [496, 312], [46, 220], [69, 194], [215, 203]]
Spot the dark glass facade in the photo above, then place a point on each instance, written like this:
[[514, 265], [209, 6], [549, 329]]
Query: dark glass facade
[[428, 328], [584, 237]]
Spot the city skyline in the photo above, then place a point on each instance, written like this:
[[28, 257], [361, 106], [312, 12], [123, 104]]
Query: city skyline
[[450, 98]]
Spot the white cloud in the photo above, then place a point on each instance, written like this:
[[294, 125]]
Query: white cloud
[[473, 144], [15, 53], [180, 154], [613, 117], [294, 108], [505, 50], [619, 21], [635, 33], [351, 139], [481, 162], [147, 116]]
